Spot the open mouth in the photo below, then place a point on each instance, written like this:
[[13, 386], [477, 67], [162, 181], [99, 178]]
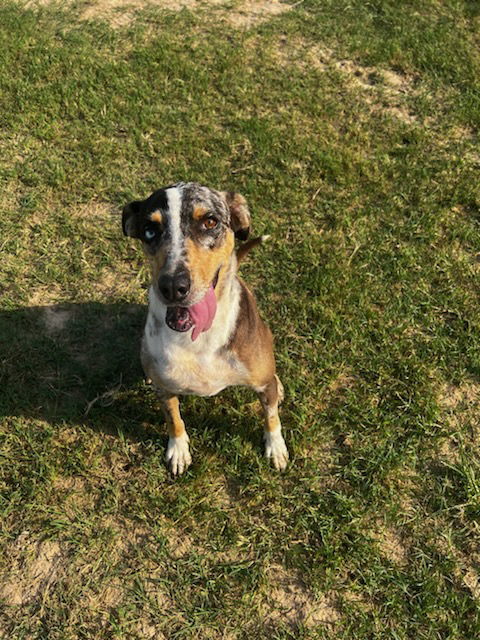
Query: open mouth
[[199, 315], [179, 318]]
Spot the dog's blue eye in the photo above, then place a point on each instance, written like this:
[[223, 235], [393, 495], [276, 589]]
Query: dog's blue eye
[[150, 234]]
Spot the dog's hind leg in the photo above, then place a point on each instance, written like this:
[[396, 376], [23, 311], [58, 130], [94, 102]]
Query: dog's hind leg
[[178, 453], [271, 395]]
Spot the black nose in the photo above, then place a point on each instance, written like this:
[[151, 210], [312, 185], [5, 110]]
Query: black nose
[[175, 288]]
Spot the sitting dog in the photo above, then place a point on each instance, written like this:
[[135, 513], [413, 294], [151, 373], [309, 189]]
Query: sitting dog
[[203, 332]]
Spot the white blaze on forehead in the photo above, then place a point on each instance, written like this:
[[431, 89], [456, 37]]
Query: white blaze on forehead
[[174, 199]]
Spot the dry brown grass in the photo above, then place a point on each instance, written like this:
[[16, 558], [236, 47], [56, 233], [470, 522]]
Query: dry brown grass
[[459, 407], [35, 568], [120, 13], [390, 544], [383, 90], [288, 601]]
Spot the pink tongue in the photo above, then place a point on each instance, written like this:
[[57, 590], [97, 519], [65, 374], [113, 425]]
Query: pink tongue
[[203, 313]]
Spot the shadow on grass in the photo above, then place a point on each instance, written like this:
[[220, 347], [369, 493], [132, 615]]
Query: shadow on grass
[[80, 363], [56, 359]]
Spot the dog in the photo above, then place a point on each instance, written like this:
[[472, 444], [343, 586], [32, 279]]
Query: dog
[[203, 332]]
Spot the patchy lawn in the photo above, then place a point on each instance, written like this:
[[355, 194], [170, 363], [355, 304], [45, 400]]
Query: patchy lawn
[[352, 130]]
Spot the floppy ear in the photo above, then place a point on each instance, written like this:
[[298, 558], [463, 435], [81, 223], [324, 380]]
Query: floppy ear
[[130, 219], [239, 214]]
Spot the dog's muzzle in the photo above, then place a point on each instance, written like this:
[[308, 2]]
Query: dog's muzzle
[[175, 288], [199, 315]]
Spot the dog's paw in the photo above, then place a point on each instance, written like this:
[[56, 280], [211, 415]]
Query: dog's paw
[[276, 449], [178, 454]]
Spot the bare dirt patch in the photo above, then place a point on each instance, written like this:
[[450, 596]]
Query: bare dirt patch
[[290, 602], [384, 90], [35, 567], [94, 210], [148, 631], [120, 13], [76, 496], [218, 493], [105, 599], [253, 12], [390, 544], [336, 388], [460, 408], [44, 295], [454, 397], [471, 580], [343, 381], [181, 544], [85, 588], [359, 600], [466, 570]]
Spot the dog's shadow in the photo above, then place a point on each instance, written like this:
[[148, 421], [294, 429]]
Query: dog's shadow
[[57, 362], [80, 364]]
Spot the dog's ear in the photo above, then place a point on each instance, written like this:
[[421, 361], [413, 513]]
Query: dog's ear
[[130, 219], [239, 214]]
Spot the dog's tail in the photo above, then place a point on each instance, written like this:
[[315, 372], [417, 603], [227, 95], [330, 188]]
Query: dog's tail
[[244, 248]]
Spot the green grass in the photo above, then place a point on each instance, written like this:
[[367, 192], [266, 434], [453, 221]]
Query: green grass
[[352, 130]]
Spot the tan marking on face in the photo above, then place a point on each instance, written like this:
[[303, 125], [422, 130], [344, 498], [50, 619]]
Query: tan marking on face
[[204, 263], [199, 212], [156, 217]]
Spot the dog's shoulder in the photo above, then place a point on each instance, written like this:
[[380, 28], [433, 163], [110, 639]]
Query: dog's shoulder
[[252, 340]]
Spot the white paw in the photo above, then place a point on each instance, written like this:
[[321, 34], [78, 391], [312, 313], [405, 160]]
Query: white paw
[[276, 449], [178, 454]]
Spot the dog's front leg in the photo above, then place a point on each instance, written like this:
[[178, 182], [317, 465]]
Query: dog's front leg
[[178, 453], [275, 448]]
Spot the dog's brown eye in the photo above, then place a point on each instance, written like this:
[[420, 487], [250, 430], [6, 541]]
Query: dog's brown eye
[[210, 223]]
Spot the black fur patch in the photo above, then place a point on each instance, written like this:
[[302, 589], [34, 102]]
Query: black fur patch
[[136, 214], [224, 207], [242, 234]]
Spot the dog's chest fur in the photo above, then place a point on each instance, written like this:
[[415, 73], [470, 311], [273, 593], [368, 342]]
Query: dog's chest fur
[[203, 367]]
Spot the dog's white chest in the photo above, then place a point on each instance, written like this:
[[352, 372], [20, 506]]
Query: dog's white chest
[[184, 372], [181, 366]]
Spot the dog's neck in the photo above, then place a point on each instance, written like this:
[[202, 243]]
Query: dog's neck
[[224, 323]]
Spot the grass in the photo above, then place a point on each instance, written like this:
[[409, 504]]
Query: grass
[[352, 130]]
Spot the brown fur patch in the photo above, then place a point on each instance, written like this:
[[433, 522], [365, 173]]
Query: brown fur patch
[[253, 342], [272, 422], [270, 398], [239, 212], [199, 212], [176, 426], [204, 263], [156, 217]]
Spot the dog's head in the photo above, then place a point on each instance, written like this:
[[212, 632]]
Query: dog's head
[[188, 232]]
